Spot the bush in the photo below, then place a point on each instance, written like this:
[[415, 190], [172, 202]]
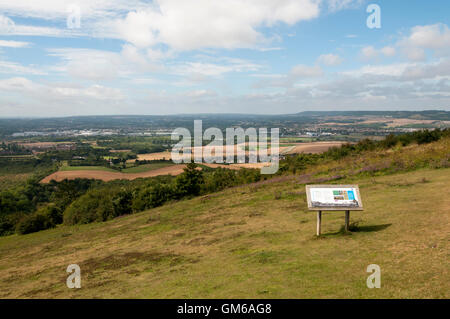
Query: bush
[[45, 218], [153, 196], [98, 205], [189, 182], [218, 179], [6, 227]]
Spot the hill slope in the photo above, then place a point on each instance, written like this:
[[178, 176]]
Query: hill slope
[[251, 241]]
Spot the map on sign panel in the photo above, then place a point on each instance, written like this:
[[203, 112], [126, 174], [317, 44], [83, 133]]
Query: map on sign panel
[[332, 197]]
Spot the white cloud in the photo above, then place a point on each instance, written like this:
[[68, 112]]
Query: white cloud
[[141, 60], [434, 37], [403, 71], [54, 91], [210, 67], [369, 52], [388, 51], [330, 59], [201, 94], [8, 27], [379, 70], [9, 67], [17, 84], [87, 63], [189, 25], [14, 44], [306, 71], [297, 73], [58, 9], [335, 5]]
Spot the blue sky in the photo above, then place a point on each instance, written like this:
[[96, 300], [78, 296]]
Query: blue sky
[[215, 56]]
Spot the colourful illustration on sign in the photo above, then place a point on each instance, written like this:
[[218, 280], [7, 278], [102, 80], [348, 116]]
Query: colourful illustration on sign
[[331, 197]]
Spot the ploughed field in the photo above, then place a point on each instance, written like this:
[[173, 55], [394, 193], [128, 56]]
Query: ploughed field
[[109, 175]]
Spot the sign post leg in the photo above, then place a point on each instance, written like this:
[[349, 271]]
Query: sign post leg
[[319, 222], [347, 220]]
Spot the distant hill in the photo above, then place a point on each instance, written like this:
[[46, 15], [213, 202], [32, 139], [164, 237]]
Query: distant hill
[[133, 123], [418, 115]]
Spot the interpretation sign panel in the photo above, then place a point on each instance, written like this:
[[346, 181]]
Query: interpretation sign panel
[[333, 197]]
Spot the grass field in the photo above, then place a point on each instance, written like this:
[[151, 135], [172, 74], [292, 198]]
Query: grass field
[[146, 167], [86, 168], [255, 241]]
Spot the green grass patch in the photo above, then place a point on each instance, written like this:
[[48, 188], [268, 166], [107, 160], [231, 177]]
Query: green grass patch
[[86, 168], [226, 249], [146, 167]]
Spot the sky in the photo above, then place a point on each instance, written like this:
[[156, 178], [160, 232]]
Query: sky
[[108, 57]]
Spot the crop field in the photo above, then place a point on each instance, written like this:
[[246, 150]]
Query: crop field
[[314, 147], [85, 168], [156, 169], [154, 156], [134, 172], [147, 167], [112, 175], [308, 147]]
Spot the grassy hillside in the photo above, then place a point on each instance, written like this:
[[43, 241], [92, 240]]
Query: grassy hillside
[[257, 241]]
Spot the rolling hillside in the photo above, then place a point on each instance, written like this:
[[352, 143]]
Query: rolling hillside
[[257, 240]]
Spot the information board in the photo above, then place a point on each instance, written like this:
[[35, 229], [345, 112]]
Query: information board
[[333, 197]]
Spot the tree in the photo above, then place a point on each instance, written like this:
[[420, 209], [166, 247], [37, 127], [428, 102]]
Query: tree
[[189, 182]]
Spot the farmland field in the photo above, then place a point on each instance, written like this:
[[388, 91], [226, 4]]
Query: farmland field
[[106, 175], [308, 147], [314, 147], [147, 167], [86, 168], [155, 169]]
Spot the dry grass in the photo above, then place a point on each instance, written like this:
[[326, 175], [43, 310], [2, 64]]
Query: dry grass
[[254, 241]]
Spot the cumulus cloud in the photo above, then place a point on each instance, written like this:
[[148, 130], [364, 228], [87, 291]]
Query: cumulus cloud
[[435, 37], [87, 64], [190, 25], [371, 53]]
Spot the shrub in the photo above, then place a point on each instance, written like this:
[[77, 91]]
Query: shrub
[[6, 227], [98, 205], [45, 218], [189, 182], [218, 179], [153, 196]]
